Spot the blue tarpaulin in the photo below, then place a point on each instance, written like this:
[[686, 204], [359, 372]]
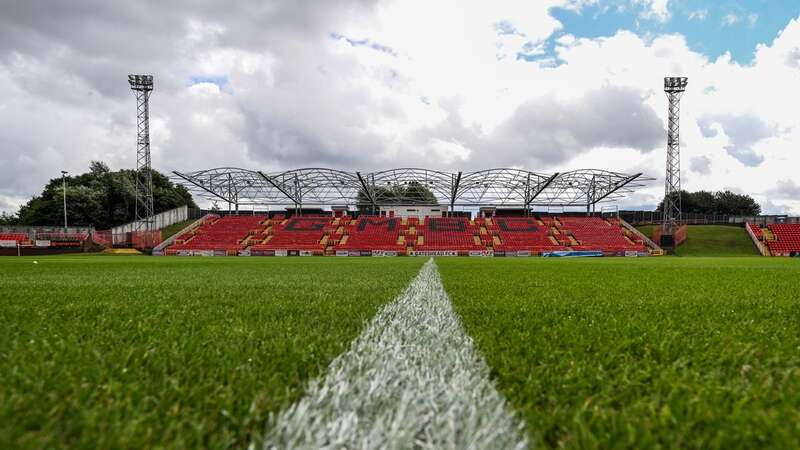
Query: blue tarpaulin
[[572, 254]]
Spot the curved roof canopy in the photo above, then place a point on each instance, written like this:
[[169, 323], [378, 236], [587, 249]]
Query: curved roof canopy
[[493, 187]]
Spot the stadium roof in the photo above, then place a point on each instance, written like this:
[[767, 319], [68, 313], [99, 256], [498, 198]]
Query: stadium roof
[[330, 187]]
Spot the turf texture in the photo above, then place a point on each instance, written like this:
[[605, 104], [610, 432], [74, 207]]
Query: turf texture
[[640, 353], [136, 352], [713, 240], [139, 352], [170, 230]]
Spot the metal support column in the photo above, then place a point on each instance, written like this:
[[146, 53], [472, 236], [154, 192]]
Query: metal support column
[[674, 87], [142, 86]]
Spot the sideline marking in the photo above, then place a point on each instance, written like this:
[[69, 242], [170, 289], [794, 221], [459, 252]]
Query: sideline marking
[[413, 378]]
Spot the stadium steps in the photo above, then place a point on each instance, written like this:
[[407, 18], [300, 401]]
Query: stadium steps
[[420, 240], [477, 240], [572, 240], [768, 234], [553, 240], [496, 241]]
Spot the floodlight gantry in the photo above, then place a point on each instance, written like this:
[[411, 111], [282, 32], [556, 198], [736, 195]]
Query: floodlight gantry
[[142, 86], [674, 87]]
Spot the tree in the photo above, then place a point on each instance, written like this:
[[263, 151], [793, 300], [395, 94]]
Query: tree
[[418, 194], [719, 203], [413, 193], [99, 197], [8, 219], [733, 204]]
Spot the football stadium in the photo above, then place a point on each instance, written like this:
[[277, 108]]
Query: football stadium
[[505, 309], [396, 308]]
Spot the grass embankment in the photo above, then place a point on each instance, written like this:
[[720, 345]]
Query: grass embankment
[[645, 353], [712, 240], [172, 352], [170, 230]]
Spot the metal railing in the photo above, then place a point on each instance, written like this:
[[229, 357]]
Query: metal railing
[[656, 217]]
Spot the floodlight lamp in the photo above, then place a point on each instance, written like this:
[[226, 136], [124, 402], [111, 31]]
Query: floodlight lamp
[[141, 82], [675, 84]]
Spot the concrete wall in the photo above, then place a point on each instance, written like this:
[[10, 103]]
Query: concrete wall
[[162, 220]]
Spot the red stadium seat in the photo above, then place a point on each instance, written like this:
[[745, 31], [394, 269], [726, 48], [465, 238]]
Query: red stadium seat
[[368, 233], [787, 239], [228, 234], [299, 233]]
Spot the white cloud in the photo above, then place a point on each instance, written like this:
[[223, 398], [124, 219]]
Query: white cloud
[[655, 10], [700, 164], [317, 85], [730, 19], [700, 14]]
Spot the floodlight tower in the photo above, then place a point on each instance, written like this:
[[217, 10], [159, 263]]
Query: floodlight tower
[[674, 88], [142, 86]]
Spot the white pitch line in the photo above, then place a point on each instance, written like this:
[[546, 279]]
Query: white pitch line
[[412, 379]]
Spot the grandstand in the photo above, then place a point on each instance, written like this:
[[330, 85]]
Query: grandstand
[[15, 238], [306, 234], [777, 239], [260, 235], [219, 235], [428, 222]]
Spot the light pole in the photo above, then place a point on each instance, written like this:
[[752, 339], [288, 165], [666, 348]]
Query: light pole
[[142, 86], [64, 184], [674, 87]]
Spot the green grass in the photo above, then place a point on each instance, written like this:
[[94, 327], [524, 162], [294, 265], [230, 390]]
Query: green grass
[[172, 352], [170, 230], [640, 353], [712, 240], [119, 352]]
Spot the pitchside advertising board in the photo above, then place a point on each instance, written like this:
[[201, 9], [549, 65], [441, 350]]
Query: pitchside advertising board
[[8, 244], [378, 253], [433, 253]]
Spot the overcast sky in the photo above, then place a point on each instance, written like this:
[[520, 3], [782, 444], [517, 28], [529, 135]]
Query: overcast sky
[[544, 85]]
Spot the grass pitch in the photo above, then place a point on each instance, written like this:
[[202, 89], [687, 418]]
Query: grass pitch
[[138, 352], [650, 353]]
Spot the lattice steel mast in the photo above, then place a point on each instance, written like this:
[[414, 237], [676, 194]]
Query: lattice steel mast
[[674, 88], [142, 86]]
